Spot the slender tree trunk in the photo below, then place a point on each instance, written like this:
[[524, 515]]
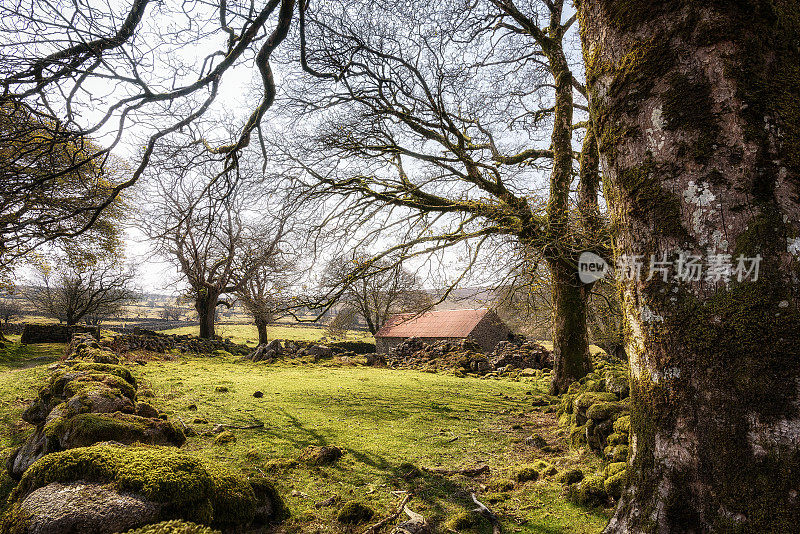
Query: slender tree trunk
[[206, 307], [695, 105], [571, 360], [261, 326]]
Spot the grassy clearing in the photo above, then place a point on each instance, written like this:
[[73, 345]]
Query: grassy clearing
[[247, 333], [383, 419]]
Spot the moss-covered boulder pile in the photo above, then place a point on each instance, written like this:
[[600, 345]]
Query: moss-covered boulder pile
[[597, 410], [111, 488], [600, 489], [89, 398]]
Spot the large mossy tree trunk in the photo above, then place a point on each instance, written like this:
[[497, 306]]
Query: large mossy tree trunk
[[571, 360], [695, 105]]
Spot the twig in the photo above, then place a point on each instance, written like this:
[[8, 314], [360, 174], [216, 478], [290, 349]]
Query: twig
[[380, 524]]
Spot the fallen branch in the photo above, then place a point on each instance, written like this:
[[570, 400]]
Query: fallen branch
[[416, 524], [488, 514], [390, 518]]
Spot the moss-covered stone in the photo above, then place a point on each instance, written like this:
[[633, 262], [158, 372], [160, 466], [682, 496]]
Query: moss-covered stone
[[525, 473], [601, 411], [615, 483], [224, 438], [623, 425], [584, 400], [86, 429], [187, 488], [545, 469], [570, 476], [354, 512], [324, 455], [589, 492]]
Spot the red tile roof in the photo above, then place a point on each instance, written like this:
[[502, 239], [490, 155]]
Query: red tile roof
[[443, 323]]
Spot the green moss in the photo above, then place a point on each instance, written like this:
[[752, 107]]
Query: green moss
[[614, 468], [615, 483], [589, 492], [265, 491], [187, 487], [525, 473], [570, 476], [500, 484], [620, 453], [623, 424], [601, 411], [647, 200], [89, 428], [116, 370], [174, 526], [687, 106], [86, 383], [280, 464], [464, 521], [224, 438], [585, 400], [545, 468], [617, 439], [354, 512]]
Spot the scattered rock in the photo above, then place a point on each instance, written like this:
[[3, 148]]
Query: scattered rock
[[325, 455], [330, 501], [258, 394], [221, 389]]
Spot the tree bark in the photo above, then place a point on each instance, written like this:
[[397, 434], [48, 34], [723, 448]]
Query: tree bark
[[206, 306], [571, 359], [695, 105], [261, 326]]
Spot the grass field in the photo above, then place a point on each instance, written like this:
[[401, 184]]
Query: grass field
[[382, 418], [247, 334]]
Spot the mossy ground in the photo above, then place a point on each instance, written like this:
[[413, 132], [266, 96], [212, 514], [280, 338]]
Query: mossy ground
[[381, 418]]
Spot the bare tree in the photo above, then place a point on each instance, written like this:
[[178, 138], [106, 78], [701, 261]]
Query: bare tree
[[80, 70], [383, 289], [170, 313], [210, 232], [75, 290], [265, 289], [695, 109], [424, 113]]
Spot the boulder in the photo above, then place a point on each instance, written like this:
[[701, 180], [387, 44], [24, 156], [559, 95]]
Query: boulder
[[82, 507], [320, 351], [155, 483]]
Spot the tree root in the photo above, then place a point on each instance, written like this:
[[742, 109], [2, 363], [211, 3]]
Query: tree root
[[488, 514], [416, 524], [391, 517]]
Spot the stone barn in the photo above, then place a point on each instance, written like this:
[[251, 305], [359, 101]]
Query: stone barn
[[482, 326]]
